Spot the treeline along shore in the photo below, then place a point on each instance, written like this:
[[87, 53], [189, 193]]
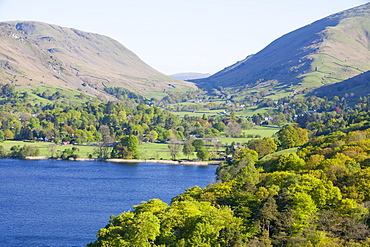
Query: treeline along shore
[[170, 162]]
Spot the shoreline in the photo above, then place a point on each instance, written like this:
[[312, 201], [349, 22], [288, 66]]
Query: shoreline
[[169, 162]]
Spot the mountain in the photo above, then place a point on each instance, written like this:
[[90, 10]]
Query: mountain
[[36, 54], [327, 51], [190, 76]]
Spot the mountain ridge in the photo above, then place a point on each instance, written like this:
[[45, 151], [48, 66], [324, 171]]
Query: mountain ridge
[[36, 53], [308, 57]]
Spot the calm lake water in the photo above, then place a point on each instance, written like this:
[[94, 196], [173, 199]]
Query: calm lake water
[[65, 203]]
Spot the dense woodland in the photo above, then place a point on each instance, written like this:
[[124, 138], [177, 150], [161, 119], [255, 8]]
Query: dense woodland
[[318, 196], [23, 120]]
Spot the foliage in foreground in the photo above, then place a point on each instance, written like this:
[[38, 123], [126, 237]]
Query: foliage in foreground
[[319, 196]]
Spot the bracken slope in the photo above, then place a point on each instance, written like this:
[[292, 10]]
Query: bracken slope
[[35, 53]]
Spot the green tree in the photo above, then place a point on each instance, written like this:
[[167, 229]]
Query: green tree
[[263, 146], [69, 153], [230, 237], [304, 209], [292, 136], [23, 152], [220, 126], [188, 148], [127, 148], [8, 90], [152, 206], [268, 213], [247, 174], [153, 135], [290, 162], [2, 136], [198, 144], [314, 160], [242, 153], [143, 229], [8, 134], [203, 154], [3, 153]]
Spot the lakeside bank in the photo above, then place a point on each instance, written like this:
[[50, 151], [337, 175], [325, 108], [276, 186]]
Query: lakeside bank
[[169, 162]]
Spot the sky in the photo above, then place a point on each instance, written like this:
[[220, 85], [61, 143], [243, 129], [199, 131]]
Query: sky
[[175, 36]]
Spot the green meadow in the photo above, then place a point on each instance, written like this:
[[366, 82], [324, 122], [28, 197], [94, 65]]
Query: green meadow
[[249, 111], [147, 150], [260, 131], [46, 148]]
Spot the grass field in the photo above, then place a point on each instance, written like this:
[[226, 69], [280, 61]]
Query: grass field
[[159, 151], [45, 147], [262, 131], [147, 150], [69, 96], [290, 150], [199, 113], [250, 111]]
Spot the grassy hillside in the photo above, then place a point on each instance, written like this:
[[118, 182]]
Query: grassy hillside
[[34, 53], [351, 89], [327, 51]]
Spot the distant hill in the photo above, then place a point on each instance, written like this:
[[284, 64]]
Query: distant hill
[[190, 76], [327, 51], [36, 54]]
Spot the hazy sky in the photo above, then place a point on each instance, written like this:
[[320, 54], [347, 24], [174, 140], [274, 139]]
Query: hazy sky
[[181, 35]]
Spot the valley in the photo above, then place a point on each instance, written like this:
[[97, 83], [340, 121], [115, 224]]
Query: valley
[[289, 127]]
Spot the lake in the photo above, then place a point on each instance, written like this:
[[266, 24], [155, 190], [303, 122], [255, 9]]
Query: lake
[[65, 203]]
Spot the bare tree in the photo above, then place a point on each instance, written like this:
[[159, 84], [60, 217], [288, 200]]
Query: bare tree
[[103, 149], [52, 150], [233, 129], [175, 147]]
